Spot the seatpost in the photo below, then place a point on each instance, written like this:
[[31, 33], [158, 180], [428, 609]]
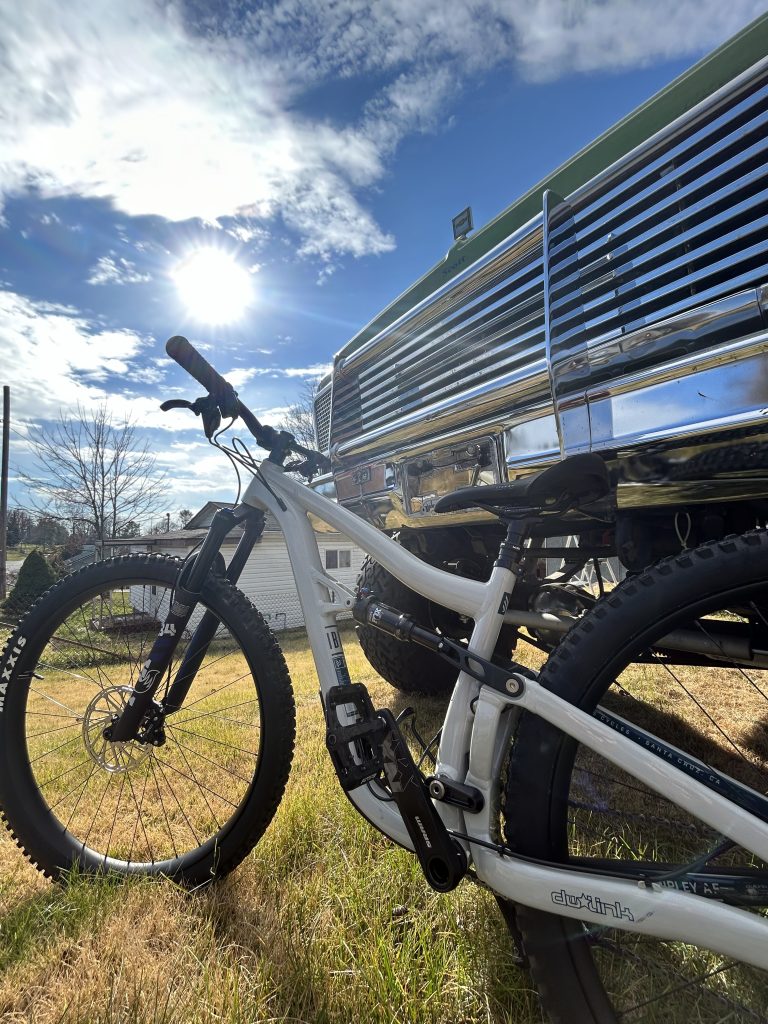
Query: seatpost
[[186, 595], [512, 550]]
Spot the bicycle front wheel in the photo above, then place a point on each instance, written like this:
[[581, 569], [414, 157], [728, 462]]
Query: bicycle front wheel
[[191, 807], [565, 803]]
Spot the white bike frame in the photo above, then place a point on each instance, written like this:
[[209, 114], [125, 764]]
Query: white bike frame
[[476, 735]]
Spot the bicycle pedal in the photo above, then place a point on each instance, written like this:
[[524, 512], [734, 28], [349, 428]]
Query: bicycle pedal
[[354, 744], [363, 743]]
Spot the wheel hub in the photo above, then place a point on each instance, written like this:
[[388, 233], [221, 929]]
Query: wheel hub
[[100, 713]]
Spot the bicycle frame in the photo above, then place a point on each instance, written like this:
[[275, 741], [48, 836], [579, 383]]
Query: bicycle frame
[[476, 734]]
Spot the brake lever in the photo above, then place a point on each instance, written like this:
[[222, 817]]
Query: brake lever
[[313, 463], [205, 406]]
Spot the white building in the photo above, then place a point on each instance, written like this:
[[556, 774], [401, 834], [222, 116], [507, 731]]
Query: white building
[[267, 579]]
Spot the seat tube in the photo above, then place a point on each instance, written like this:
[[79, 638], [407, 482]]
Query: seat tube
[[457, 727], [501, 584]]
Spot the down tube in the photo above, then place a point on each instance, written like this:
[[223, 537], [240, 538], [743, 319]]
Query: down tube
[[320, 622]]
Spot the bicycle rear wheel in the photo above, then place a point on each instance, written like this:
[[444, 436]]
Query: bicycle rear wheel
[[565, 803], [190, 808]]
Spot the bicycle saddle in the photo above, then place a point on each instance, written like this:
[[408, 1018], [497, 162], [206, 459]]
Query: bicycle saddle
[[576, 481]]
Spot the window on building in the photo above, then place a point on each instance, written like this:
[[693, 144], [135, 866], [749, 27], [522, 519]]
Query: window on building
[[338, 559]]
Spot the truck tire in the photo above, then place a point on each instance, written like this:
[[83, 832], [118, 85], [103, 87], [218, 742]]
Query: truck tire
[[407, 667]]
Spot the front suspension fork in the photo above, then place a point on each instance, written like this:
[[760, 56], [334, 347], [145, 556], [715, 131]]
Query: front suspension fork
[[186, 595]]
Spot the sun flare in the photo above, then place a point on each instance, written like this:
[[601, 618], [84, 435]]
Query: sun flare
[[213, 286]]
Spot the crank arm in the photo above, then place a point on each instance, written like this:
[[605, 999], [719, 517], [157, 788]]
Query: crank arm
[[442, 859]]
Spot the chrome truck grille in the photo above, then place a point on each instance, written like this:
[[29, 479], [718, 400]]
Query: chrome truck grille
[[323, 417], [484, 331], [684, 225], [679, 223]]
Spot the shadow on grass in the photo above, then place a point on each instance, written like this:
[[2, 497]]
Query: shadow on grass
[[341, 958], [63, 910], [349, 929]]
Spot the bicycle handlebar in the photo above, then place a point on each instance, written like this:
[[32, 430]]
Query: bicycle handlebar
[[278, 442], [189, 359]]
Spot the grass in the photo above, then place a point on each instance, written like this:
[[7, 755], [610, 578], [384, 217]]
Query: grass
[[17, 553], [324, 921]]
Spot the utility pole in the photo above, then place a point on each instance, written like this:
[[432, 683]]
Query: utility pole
[[4, 486]]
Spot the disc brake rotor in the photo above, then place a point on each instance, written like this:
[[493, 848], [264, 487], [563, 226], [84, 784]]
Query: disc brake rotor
[[112, 757]]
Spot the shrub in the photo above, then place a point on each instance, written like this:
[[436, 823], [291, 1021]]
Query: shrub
[[35, 577]]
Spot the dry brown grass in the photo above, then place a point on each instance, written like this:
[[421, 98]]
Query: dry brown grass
[[324, 921]]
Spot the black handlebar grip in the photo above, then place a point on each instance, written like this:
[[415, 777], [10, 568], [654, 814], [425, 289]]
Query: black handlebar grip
[[189, 359]]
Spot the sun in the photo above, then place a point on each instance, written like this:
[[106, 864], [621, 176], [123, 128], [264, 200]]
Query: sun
[[213, 286]]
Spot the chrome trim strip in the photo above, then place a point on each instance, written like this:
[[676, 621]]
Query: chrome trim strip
[[641, 153], [696, 362], [665, 168], [621, 229], [682, 305], [570, 282]]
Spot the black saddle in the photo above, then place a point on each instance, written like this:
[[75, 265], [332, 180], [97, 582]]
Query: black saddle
[[564, 487]]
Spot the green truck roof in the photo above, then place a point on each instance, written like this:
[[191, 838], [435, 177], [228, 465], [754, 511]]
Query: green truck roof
[[704, 78]]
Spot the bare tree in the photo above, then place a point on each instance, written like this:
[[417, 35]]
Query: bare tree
[[299, 418], [94, 469]]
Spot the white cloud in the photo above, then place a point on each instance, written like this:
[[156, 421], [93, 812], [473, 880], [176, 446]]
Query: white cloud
[[55, 359], [133, 106], [147, 375], [116, 270], [555, 37], [249, 234], [318, 370], [239, 376]]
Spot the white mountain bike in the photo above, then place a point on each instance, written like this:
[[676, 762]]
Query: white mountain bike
[[615, 803]]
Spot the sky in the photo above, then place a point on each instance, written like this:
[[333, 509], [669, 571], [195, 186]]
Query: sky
[[264, 178]]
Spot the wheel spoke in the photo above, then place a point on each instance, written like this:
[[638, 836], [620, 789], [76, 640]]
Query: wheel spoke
[[212, 739], [200, 785], [219, 716], [202, 789], [216, 764]]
